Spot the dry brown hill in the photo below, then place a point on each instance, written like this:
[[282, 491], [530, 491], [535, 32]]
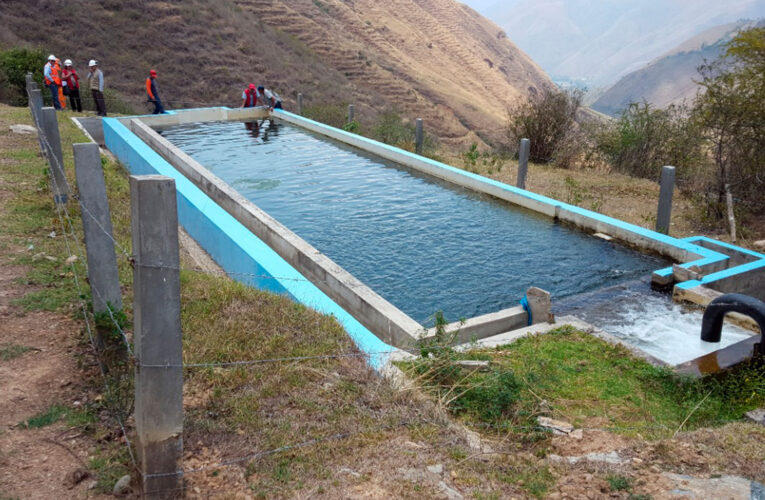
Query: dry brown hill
[[672, 78], [436, 59]]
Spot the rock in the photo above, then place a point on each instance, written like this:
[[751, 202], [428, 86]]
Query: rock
[[611, 458], [23, 129], [52, 234], [757, 416], [436, 469], [721, 487], [556, 426], [577, 434], [350, 472], [473, 364], [759, 245], [71, 259], [122, 487], [92, 485], [76, 477], [450, 492]]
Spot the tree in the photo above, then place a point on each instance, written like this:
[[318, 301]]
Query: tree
[[731, 112], [14, 65]]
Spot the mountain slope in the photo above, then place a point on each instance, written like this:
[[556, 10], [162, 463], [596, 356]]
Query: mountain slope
[[670, 79], [602, 40], [437, 59]]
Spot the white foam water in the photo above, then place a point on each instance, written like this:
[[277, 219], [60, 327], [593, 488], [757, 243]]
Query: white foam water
[[650, 321]]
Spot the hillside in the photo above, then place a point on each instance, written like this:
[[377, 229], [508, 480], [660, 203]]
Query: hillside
[[436, 59], [670, 79], [602, 40]]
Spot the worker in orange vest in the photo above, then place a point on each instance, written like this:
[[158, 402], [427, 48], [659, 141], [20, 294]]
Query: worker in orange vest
[[52, 80], [152, 94], [61, 84]]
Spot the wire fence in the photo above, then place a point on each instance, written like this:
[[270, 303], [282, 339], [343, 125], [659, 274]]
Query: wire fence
[[71, 241]]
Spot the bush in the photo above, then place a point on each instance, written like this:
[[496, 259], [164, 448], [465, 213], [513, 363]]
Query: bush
[[391, 129], [545, 120], [14, 65], [334, 115], [644, 139]]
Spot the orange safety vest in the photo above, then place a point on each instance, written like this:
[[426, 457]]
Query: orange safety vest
[[56, 74]]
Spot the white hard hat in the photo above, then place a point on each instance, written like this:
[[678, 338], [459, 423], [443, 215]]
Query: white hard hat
[[92, 63], [68, 62], [51, 57]]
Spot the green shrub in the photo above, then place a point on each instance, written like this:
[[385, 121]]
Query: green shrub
[[645, 138], [15, 63]]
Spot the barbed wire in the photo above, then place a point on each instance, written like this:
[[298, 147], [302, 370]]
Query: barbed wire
[[63, 214]]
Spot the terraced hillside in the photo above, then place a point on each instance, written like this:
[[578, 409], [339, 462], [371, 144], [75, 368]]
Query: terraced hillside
[[436, 59]]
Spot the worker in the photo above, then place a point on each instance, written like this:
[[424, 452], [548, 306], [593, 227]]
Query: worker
[[62, 90], [96, 84], [72, 80], [52, 80], [152, 94], [249, 97], [270, 99]]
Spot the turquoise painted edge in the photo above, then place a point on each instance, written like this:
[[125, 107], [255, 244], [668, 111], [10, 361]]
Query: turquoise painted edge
[[726, 245], [233, 246], [727, 273]]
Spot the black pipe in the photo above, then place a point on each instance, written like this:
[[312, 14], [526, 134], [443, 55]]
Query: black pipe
[[711, 324]]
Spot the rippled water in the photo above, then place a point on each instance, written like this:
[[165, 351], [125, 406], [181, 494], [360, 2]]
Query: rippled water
[[423, 244]]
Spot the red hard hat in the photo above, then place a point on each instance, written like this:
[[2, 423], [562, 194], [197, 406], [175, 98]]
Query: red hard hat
[[252, 85], [153, 72]]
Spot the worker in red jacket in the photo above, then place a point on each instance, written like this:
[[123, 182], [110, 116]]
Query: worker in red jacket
[[250, 97], [72, 80], [152, 94]]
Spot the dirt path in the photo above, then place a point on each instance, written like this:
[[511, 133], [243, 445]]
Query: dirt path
[[39, 375]]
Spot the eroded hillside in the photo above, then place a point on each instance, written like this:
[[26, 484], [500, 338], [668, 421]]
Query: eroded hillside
[[436, 59]]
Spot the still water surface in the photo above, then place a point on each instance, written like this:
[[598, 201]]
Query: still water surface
[[423, 244]]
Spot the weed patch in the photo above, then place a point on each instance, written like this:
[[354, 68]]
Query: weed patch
[[12, 351], [570, 375]]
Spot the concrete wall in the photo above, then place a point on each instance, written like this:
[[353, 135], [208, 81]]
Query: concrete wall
[[232, 245], [377, 314]]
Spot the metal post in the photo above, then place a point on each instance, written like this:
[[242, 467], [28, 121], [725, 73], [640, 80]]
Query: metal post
[[157, 335], [350, 113], [300, 104], [97, 226], [523, 163], [35, 105], [664, 213], [52, 142], [418, 137]]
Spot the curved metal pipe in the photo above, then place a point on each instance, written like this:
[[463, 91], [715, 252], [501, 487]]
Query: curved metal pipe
[[711, 324]]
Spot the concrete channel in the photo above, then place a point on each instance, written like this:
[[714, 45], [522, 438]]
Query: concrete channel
[[252, 245]]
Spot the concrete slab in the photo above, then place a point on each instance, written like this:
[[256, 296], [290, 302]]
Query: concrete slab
[[93, 127]]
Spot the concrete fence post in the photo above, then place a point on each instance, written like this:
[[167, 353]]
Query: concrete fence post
[[418, 136], [52, 142], [664, 213], [97, 226], [350, 113], [523, 163], [36, 105], [157, 335], [300, 104]]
